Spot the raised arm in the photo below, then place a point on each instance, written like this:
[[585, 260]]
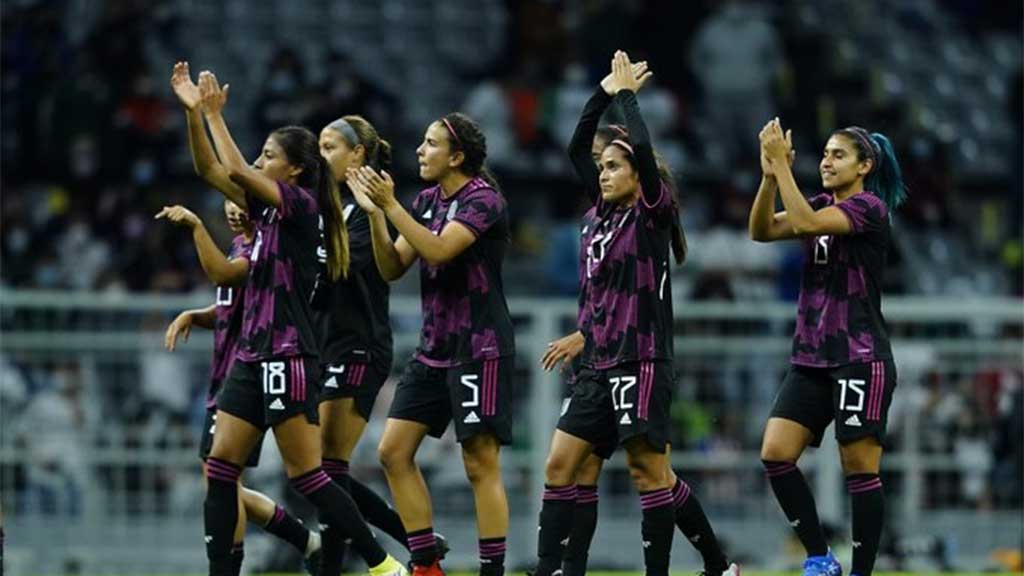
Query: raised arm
[[764, 224], [214, 97], [218, 268], [434, 249], [624, 84], [393, 257], [801, 216], [581, 145]]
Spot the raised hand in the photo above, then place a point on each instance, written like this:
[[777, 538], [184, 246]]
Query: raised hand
[[182, 326], [212, 95], [562, 351], [183, 87], [622, 77], [379, 188], [179, 215], [639, 71], [777, 146], [359, 192]]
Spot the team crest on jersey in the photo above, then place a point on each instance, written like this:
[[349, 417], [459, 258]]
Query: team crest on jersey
[[451, 211]]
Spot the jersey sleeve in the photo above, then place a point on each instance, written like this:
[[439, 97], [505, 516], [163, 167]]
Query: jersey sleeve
[[296, 202], [240, 248], [480, 210], [866, 212]]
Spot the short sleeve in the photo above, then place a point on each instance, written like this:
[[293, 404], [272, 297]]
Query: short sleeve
[[866, 212], [296, 201], [480, 210], [820, 201], [240, 248]]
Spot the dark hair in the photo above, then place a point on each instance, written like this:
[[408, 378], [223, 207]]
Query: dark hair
[[464, 136], [614, 132], [885, 178], [302, 149]]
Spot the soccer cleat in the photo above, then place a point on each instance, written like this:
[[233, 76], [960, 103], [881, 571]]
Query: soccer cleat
[[431, 570], [826, 565], [732, 570], [389, 567], [442, 545], [312, 563]]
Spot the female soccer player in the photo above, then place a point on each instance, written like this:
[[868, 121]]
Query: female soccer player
[[462, 371], [626, 323], [689, 515], [225, 318], [355, 331], [841, 367], [287, 192]]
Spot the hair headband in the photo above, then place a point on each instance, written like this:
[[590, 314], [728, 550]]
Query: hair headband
[[866, 142], [451, 130], [623, 144], [346, 130], [617, 128]]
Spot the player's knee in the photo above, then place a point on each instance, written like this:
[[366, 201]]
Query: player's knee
[[856, 460], [558, 470], [775, 450], [479, 467], [394, 459], [589, 472], [646, 476]]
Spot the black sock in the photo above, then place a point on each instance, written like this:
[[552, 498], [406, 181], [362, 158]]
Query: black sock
[[288, 528], [423, 546], [693, 523], [220, 514], [657, 530], [377, 511], [868, 505], [237, 555], [556, 514], [333, 546], [584, 523], [797, 502], [492, 556], [341, 511]]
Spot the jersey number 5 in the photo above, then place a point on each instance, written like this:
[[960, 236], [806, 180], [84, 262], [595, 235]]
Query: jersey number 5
[[469, 381]]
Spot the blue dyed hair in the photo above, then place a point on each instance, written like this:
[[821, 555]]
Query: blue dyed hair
[[885, 178]]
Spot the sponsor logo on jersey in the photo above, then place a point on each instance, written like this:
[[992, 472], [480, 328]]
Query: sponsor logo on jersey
[[625, 419], [331, 383], [277, 404], [471, 418], [853, 421]]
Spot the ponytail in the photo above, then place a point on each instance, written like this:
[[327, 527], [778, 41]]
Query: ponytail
[[886, 178], [383, 159], [335, 230], [679, 247]]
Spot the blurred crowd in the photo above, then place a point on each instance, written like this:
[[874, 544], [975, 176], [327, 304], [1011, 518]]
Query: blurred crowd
[[93, 143]]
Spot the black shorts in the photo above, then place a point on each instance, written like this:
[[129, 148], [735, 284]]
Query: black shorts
[[856, 396], [359, 380], [206, 441], [613, 406], [477, 395], [268, 392]]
